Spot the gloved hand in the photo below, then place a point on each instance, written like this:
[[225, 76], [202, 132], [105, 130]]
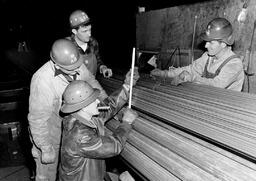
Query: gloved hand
[[176, 81], [48, 154], [158, 72], [129, 115], [125, 176], [136, 76], [107, 72], [184, 76]]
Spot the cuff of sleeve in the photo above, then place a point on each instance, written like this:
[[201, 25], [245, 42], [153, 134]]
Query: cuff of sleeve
[[126, 87], [102, 67], [46, 148], [171, 73]]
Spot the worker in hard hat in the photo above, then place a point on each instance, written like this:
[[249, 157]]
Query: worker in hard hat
[[46, 89], [84, 142], [218, 67], [88, 46]]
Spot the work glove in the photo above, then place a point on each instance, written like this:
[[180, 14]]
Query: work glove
[[158, 72], [176, 81], [107, 72], [184, 76], [125, 176], [48, 154], [136, 76], [129, 115]]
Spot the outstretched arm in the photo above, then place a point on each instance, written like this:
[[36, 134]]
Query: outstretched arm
[[120, 97], [87, 142]]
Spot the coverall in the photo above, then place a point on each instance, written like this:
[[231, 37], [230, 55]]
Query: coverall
[[203, 71], [46, 89], [85, 145]]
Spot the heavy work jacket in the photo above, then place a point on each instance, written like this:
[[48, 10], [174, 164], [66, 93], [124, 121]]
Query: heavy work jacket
[[85, 144], [45, 100], [230, 76], [91, 56]]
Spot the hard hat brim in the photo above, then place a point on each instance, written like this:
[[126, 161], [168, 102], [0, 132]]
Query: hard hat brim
[[85, 23], [208, 38], [69, 108], [205, 37]]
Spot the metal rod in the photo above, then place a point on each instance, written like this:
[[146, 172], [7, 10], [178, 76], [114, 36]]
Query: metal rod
[[193, 39], [131, 80]]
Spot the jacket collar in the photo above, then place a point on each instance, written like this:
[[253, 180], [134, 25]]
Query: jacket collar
[[87, 51], [87, 122], [57, 72]]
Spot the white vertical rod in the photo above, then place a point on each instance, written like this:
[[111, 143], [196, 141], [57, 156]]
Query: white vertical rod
[[131, 81]]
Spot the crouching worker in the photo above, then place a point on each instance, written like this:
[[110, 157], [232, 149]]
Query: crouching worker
[[84, 144]]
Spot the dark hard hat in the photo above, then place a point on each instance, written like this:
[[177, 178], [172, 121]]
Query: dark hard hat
[[77, 95], [65, 54], [219, 29]]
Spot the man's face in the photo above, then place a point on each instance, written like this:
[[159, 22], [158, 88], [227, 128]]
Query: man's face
[[214, 47], [83, 33], [92, 108]]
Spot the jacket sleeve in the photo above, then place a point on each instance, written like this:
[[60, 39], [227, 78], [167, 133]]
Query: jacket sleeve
[[115, 101], [41, 106], [90, 78], [90, 144], [196, 68], [95, 46]]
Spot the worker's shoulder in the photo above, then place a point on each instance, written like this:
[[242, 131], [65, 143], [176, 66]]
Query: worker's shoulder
[[92, 38], [202, 59], [93, 41], [235, 63], [44, 72], [83, 131], [235, 58]]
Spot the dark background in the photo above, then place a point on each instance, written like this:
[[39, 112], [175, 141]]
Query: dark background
[[40, 22]]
